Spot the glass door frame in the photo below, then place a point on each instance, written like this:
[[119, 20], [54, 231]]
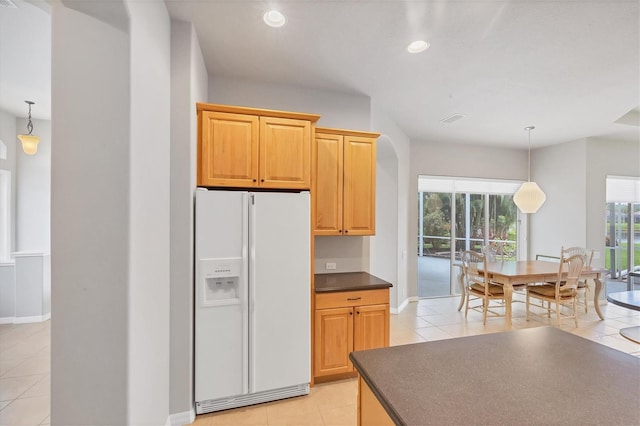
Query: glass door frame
[[454, 270]]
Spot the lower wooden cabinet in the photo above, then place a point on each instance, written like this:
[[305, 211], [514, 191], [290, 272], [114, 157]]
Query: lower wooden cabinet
[[333, 341], [341, 330], [370, 327]]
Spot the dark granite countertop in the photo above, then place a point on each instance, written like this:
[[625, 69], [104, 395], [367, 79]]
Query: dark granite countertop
[[348, 281], [532, 376]]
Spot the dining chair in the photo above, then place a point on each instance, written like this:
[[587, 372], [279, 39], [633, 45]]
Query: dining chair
[[478, 286], [583, 285], [562, 292], [547, 257], [493, 253], [570, 251]]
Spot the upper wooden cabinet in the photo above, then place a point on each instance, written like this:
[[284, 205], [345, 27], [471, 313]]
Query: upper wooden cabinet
[[253, 148], [344, 182]]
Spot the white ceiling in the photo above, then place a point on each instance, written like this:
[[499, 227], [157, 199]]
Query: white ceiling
[[570, 68]]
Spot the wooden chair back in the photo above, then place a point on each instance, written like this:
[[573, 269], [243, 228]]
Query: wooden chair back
[[472, 275], [573, 266], [493, 253]]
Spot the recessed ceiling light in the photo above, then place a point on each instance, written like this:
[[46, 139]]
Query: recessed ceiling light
[[418, 46], [273, 18]]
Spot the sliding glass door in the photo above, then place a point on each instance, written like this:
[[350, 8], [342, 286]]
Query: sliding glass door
[[622, 240], [503, 221], [622, 232], [434, 244], [451, 222]]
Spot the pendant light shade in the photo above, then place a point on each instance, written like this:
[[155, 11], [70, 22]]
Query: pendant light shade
[[29, 142], [529, 197]]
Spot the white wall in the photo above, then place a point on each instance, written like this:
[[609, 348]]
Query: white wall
[[8, 135], [561, 172], [389, 234], [439, 159], [149, 224], [89, 220], [384, 245], [7, 293], [33, 191], [110, 215], [350, 254], [605, 157], [189, 81], [340, 110]]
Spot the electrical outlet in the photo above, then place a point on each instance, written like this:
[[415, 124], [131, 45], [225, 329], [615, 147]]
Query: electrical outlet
[[596, 255], [330, 265]]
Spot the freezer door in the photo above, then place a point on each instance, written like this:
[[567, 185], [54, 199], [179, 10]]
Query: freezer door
[[279, 269], [221, 292]]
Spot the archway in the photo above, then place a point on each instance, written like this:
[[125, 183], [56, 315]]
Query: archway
[[384, 246]]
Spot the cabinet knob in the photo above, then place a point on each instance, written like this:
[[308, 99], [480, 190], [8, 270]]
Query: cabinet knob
[[358, 312], [255, 180], [261, 180], [346, 231], [351, 313]]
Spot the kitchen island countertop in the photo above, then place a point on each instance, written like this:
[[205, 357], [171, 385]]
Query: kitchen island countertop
[[504, 378], [348, 281]]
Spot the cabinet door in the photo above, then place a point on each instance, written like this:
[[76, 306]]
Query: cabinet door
[[359, 185], [333, 341], [327, 184], [285, 153], [228, 150], [371, 327]]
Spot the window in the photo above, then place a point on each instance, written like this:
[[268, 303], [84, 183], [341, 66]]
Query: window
[[622, 230]]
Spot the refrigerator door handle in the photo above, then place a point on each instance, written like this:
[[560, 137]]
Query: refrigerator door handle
[[245, 295], [252, 292]]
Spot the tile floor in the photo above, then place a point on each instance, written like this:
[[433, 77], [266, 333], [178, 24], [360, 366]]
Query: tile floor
[[25, 383], [25, 364]]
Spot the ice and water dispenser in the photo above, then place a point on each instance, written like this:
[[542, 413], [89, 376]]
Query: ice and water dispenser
[[220, 281]]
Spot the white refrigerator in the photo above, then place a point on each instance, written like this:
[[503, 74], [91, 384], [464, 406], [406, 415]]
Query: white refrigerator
[[252, 297]]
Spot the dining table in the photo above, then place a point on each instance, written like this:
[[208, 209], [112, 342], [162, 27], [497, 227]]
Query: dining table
[[629, 300], [512, 273]]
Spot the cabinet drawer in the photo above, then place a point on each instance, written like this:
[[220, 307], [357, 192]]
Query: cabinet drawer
[[340, 299]]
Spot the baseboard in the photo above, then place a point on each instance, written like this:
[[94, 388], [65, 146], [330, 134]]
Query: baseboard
[[24, 320], [399, 309], [179, 419], [413, 299]]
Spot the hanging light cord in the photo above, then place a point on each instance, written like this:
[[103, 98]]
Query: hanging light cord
[[529, 129], [29, 123]]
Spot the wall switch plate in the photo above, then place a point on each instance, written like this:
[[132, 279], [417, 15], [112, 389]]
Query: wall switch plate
[[596, 255], [330, 265]]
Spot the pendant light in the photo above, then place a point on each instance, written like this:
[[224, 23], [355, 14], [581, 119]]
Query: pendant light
[[529, 197], [29, 141]]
